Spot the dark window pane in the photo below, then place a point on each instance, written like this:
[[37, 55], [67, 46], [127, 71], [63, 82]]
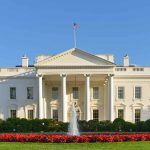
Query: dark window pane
[[12, 93], [75, 92], [95, 114], [55, 114], [54, 92]]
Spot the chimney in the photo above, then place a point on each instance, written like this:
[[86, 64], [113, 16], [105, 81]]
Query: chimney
[[25, 61], [126, 60]]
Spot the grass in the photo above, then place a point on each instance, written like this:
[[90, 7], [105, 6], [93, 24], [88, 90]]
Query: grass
[[76, 146]]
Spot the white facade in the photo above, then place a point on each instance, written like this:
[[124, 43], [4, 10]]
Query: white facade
[[98, 88]]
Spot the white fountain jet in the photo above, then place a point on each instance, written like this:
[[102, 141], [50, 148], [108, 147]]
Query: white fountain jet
[[73, 125]]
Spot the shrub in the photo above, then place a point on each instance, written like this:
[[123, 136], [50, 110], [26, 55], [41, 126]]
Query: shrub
[[148, 124], [118, 124], [83, 126], [105, 126], [73, 139], [129, 127], [49, 125], [141, 126], [93, 125]]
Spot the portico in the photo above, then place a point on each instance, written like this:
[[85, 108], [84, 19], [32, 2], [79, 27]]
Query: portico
[[89, 85]]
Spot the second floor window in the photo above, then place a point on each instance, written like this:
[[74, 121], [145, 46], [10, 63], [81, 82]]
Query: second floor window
[[75, 92], [138, 92], [54, 92], [12, 93], [120, 92], [95, 92], [29, 92]]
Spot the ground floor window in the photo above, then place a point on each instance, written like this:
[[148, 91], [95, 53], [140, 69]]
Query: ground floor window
[[121, 113], [95, 114], [13, 113], [55, 114], [30, 114], [137, 115]]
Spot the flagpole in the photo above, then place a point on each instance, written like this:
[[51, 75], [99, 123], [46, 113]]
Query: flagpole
[[75, 40]]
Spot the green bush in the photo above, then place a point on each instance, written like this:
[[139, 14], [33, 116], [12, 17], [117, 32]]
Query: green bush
[[105, 126], [83, 126], [141, 126], [50, 125], [93, 125], [148, 124], [118, 124], [129, 127]]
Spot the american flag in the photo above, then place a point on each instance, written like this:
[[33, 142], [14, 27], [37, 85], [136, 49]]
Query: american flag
[[75, 25]]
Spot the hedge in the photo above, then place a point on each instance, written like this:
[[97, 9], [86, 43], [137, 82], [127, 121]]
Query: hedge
[[49, 125], [57, 138]]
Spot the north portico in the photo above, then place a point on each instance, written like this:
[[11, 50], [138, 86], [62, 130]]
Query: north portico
[[75, 73]]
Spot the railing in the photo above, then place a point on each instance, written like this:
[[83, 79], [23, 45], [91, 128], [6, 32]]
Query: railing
[[121, 69], [138, 69]]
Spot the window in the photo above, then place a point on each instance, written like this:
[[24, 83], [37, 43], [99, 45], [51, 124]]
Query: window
[[121, 113], [95, 114], [120, 92], [137, 115], [13, 113], [12, 93], [55, 114], [54, 92], [138, 91], [29, 92], [30, 114], [95, 92], [75, 92]]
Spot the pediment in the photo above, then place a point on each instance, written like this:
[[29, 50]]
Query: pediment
[[74, 57]]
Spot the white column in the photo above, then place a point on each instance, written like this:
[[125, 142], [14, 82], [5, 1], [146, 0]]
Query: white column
[[111, 98], [64, 98], [40, 98], [45, 108], [87, 98]]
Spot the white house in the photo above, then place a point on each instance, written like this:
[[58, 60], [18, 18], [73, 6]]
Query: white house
[[98, 88]]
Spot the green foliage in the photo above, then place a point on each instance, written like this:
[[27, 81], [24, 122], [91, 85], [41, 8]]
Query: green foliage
[[148, 124], [129, 127], [83, 126], [118, 124], [50, 125], [141, 126]]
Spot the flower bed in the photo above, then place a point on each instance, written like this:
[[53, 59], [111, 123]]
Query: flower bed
[[56, 138]]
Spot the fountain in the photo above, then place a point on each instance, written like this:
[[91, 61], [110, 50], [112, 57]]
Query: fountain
[[73, 125]]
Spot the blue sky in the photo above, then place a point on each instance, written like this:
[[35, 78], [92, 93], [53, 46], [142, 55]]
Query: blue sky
[[46, 27]]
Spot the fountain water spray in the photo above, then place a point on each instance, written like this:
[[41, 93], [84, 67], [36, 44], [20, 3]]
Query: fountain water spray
[[73, 125]]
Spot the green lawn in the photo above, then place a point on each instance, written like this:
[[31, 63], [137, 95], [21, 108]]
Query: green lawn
[[76, 146]]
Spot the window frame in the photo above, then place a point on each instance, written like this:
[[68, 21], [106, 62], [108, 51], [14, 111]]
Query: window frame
[[29, 110], [119, 94], [10, 95], [12, 113], [137, 118], [98, 93], [121, 114], [32, 96], [135, 94], [55, 97], [55, 115], [94, 114], [76, 93]]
